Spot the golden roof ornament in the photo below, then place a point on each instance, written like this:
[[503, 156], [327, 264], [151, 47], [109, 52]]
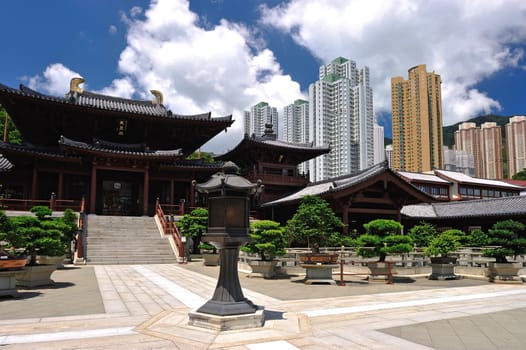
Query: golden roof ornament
[[158, 97], [74, 85]]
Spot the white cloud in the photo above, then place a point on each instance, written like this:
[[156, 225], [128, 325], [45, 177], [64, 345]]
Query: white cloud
[[222, 69], [54, 81], [112, 29], [463, 41]]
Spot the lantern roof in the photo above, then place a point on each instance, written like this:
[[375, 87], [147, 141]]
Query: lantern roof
[[228, 180]]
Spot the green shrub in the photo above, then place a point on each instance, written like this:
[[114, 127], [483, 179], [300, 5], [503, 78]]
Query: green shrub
[[383, 237], [267, 239], [508, 235], [422, 234], [315, 224], [443, 244]]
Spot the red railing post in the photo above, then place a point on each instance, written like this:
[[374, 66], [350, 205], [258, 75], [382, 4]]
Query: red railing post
[[52, 201]]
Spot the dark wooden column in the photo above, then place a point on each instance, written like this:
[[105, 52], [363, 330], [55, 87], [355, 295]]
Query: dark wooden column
[[60, 184], [345, 219], [34, 183], [172, 189], [146, 190], [93, 189]]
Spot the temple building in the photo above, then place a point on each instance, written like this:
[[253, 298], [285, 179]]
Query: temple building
[[273, 162], [120, 155]]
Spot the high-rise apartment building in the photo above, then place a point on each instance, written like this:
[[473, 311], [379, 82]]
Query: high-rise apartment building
[[417, 121], [491, 147], [341, 115], [485, 145], [378, 143], [296, 122], [467, 139], [516, 144], [258, 116]]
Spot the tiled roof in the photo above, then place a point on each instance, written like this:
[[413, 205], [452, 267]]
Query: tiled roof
[[42, 152], [294, 145], [514, 205], [466, 179], [118, 149], [422, 177], [337, 184], [111, 103]]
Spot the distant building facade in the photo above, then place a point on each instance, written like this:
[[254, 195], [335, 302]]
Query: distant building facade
[[485, 144], [516, 144], [341, 115], [296, 122], [459, 161], [417, 121], [378, 142], [258, 116]]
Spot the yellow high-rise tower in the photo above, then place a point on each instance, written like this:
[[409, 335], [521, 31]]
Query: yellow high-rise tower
[[417, 121]]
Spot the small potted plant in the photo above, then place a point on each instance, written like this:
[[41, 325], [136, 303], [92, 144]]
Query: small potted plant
[[267, 241], [382, 238], [509, 239], [439, 250], [209, 253]]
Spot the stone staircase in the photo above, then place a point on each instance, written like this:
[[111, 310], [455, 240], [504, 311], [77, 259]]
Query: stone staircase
[[127, 240]]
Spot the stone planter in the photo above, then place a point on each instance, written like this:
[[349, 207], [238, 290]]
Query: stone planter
[[265, 269], [34, 276], [443, 268], [51, 260], [504, 272], [381, 271], [210, 259], [319, 258]]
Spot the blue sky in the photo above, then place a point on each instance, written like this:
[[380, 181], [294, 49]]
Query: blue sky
[[225, 55]]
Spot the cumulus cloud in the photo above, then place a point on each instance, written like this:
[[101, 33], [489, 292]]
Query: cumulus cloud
[[463, 41], [54, 81], [218, 69]]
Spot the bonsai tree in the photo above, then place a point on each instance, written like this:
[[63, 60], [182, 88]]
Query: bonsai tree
[[194, 225], [314, 223], [445, 243], [477, 238], [207, 247], [268, 239], [509, 237], [39, 234], [383, 237], [422, 234]]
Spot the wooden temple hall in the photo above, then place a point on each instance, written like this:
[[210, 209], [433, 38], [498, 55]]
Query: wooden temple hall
[[120, 155]]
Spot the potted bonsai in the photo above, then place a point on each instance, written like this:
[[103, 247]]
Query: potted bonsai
[[315, 224], [509, 239], [267, 241], [439, 248], [68, 228], [8, 258], [193, 226], [209, 253], [33, 235], [382, 238]]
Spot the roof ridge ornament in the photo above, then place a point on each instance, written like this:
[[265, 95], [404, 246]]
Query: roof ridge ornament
[[74, 85], [158, 97]]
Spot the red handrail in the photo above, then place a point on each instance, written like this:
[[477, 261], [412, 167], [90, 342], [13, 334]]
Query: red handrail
[[169, 228], [82, 230]]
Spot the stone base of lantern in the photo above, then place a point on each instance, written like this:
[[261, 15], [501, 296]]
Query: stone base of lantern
[[227, 323]]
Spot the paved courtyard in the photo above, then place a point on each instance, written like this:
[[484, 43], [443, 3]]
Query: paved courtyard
[[146, 307]]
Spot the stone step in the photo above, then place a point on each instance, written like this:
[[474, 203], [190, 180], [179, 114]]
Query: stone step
[[127, 240]]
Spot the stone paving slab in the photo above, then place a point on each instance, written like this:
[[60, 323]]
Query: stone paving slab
[[146, 307]]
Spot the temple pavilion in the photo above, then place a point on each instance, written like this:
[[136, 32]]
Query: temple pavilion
[[120, 155]]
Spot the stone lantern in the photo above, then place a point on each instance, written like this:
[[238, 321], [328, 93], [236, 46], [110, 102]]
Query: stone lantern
[[228, 229]]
